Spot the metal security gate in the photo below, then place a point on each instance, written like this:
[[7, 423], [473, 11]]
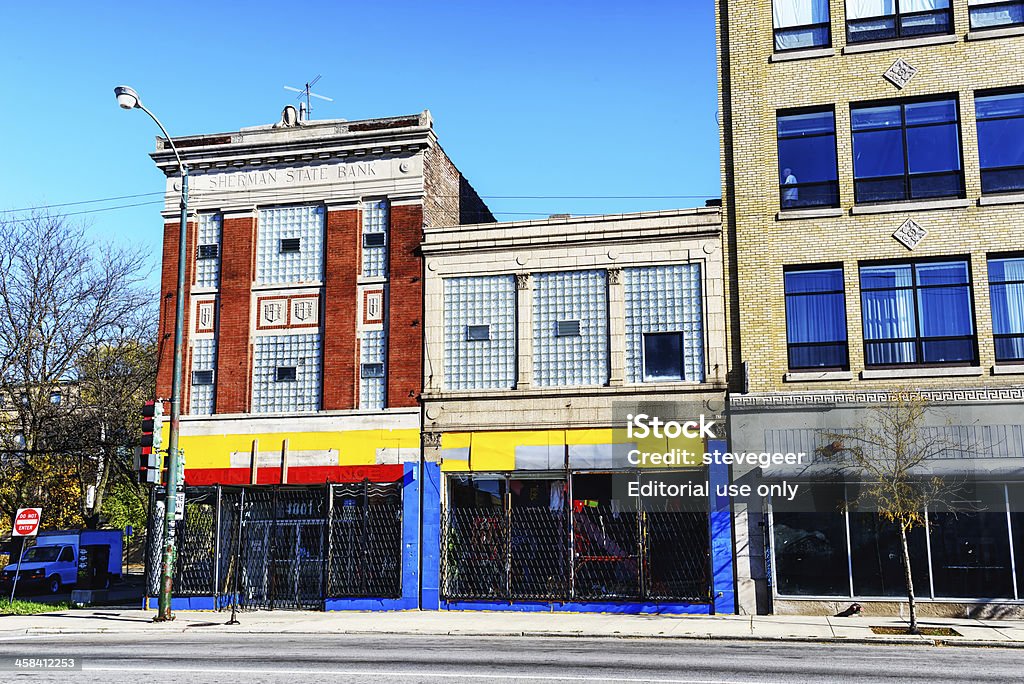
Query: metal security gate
[[569, 542], [290, 547]]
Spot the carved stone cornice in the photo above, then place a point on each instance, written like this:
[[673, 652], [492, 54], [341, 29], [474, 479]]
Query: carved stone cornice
[[938, 396]]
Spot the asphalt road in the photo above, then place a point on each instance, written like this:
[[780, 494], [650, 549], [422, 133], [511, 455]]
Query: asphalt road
[[218, 657]]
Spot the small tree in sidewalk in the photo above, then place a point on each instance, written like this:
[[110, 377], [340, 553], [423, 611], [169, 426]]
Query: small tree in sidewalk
[[891, 454]]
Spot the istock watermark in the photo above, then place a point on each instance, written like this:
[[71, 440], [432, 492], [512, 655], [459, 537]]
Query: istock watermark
[[664, 451]]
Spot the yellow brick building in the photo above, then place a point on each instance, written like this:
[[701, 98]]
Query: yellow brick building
[[887, 79]]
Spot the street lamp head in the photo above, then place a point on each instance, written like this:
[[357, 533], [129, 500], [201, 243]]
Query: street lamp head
[[127, 98]]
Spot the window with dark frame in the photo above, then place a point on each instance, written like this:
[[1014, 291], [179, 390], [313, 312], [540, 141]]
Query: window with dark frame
[[918, 313], [291, 245], [808, 168], [285, 374], [816, 318], [1000, 118], [478, 333], [663, 356], [876, 20], [371, 370], [1006, 293], [374, 239], [208, 251], [991, 14], [801, 24], [906, 151], [202, 377], [569, 328]]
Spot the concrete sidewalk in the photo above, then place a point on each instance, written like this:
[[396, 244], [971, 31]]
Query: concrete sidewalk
[[1005, 633]]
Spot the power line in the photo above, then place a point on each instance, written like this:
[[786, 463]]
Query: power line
[[86, 211], [71, 204], [210, 194]]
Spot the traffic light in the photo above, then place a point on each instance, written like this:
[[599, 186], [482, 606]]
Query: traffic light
[[150, 459], [152, 423]]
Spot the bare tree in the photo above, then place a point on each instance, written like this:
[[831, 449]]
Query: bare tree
[[891, 454], [69, 308]]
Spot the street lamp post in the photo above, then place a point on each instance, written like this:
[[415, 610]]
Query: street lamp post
[[127, 98]]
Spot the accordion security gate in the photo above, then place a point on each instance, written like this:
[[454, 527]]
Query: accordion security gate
[[290, 547], [500, 547]]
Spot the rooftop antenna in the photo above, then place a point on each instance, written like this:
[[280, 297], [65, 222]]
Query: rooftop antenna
[[306, 113]]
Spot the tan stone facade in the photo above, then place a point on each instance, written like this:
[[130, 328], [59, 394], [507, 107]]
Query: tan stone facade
[[754, 87], [610, 243], [762, 239]]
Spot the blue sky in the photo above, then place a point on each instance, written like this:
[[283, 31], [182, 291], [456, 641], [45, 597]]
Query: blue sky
[[529, 98]]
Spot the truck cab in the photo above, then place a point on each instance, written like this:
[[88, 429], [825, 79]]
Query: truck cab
[[48, 566]]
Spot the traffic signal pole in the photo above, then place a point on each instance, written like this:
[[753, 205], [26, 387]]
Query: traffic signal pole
[[173, 454]]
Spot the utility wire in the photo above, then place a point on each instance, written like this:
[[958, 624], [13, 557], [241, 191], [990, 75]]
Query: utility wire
[[71, 204], [213, 193]]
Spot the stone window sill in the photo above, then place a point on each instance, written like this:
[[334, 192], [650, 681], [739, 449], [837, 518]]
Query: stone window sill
[[920, 41], [1006, 32], [1008, 369], [794, 214], [930, 372], [802, 54], [913, 205], [817, 376], [1008, 198]]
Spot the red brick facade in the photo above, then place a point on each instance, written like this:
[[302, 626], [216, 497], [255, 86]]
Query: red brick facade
[[168, 290], [234, 348], [341, 269], [405, 307]]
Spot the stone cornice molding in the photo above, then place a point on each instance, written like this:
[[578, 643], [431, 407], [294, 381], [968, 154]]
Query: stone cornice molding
[[939, 396]]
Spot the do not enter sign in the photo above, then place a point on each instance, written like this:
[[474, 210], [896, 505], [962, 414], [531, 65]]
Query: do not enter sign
[[26, 522]]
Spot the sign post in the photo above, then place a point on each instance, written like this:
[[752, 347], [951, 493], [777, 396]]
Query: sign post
[[26, 524]]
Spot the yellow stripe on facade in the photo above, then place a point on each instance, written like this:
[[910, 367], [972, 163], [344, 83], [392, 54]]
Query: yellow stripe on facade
[[496, 451], [353, 447]]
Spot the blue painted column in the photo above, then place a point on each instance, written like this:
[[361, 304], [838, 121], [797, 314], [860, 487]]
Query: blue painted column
[[430, 575], [723, 582]]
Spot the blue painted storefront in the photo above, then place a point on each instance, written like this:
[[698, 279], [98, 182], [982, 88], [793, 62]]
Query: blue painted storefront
[[421, 561]]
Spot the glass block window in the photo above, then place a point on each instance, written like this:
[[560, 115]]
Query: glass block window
[[208, 251], [582, 359], [371, 369], [282, 225], [204, 361], [664, 299], [473, 360], [271, 352], [375, 236]]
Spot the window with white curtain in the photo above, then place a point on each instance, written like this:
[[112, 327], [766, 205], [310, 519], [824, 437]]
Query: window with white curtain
[[987, 14], [871, 20], [1006, 289], [918, 313], [801, 24]]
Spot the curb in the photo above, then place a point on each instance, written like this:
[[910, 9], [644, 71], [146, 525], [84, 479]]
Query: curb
[[860, 641]]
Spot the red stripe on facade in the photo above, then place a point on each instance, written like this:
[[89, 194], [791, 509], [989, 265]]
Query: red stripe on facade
[[296, 475]]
